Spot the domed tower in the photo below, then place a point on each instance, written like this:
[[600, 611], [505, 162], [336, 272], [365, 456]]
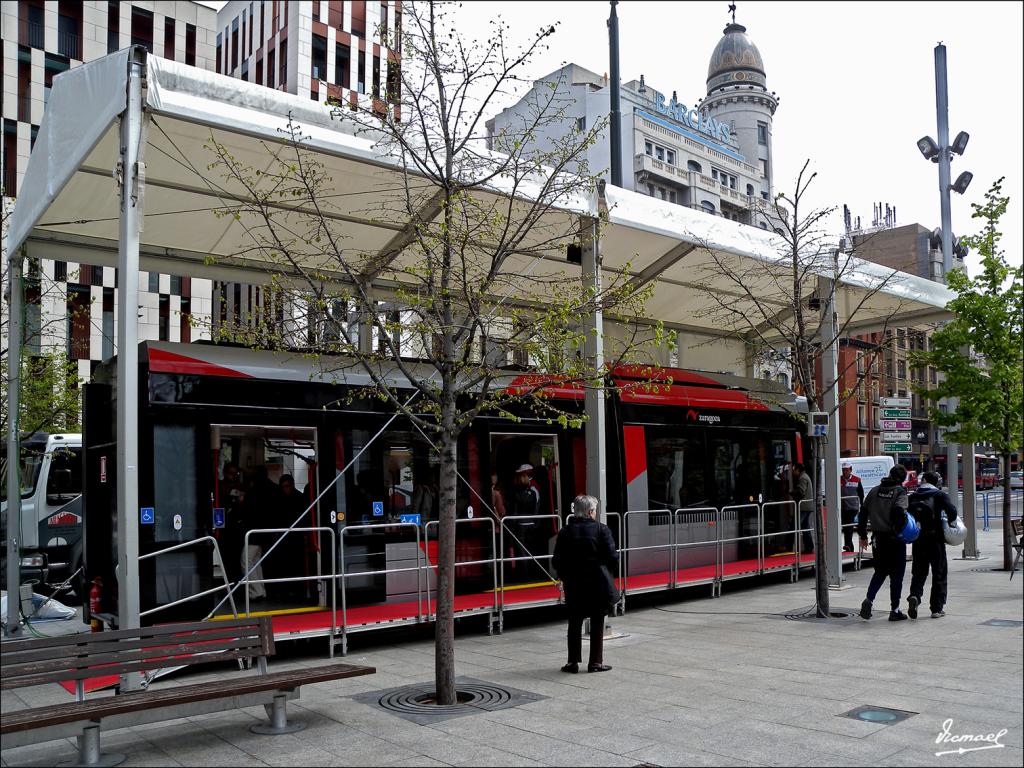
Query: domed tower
[[738, 96]]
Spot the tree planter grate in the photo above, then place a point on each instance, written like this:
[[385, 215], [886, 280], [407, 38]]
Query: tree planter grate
[[416, 702]]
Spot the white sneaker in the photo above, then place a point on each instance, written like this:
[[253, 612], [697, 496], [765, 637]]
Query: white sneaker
[[938, 614]]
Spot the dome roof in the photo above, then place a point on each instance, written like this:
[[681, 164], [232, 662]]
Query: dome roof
[[735, 52]]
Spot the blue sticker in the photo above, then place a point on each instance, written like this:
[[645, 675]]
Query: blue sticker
[[147, 516], [218, 517], [378, 509], [410, 519]]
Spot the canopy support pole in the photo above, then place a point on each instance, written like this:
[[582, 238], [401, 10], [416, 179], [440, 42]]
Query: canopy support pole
[[132, 181], [13, 620], [593, 349], [967, 509], [830, 404]]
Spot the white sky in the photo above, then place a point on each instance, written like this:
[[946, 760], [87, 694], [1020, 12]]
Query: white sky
[[856, 82]]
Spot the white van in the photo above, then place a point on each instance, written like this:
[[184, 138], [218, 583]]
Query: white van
[[870, 469]]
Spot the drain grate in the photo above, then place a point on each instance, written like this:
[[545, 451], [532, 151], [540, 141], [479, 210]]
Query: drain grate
[[1002, 623], [416, 702], [809, 614], [878, 715]]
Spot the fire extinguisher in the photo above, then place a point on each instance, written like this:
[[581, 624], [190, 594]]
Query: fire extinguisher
[[95, 599]]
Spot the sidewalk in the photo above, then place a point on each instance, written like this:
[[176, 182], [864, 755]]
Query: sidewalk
[[688, 687]]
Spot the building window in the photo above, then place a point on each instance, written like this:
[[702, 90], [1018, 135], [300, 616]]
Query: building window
[[142, 28], [581, 124], [394, 94], [108, 323], [762, 134], [659, 153], [672, 196], [764, 168], [876, 446], [862, 416], [862, 445], [283, 56], [650, 190], [113, 25], [375, 87], [78, 325], [271, 70], [876, 417], [168, 38], [359, 19], [361, 74], [693, 165], [34, 35], [342, 62], [190, 44], [234, 45], [319, 58], [69, 30], [383, 21], [901, 369], [165, 317], [252, 24], [648, 149], [670, 157], [750, 190], [259, 71], [764, 195], [860, 362], [708, 207], [220, 43]]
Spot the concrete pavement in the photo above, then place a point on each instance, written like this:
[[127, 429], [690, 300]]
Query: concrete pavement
[[695, 682]]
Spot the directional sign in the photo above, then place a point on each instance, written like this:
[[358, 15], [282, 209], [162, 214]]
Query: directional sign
[[895, 402], [895, 413], [896, 424], [378, 509], [895, 437], [896, 447], [147, 516]]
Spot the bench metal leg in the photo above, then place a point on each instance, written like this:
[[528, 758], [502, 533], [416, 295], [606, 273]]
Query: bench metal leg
[[278, 714], [89, 751]]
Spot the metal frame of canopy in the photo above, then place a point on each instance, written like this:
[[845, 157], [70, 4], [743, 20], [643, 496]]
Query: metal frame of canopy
[[135, 117]]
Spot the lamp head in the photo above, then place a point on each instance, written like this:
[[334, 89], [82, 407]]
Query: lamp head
[[960, 142], [963, 181], [928, 147]]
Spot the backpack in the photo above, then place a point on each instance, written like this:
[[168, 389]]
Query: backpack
[[923, 508], [880, 503]]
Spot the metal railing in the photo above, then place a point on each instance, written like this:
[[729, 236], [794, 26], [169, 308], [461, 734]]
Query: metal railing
[[247, 578], [716, 521], [521, 558], [220, 561], [430, 567]]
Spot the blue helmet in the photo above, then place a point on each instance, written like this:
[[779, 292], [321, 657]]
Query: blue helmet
[[910, 531]]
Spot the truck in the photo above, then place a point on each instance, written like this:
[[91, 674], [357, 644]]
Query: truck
[[49, 534]]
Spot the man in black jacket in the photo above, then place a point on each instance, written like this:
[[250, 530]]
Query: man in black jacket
[[928, 504], [585, 558], [886, 506]]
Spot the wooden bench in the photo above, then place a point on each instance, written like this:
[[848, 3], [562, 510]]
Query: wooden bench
[[77, 658]]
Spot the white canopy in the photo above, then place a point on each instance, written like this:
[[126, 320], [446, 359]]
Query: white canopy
[[68, 206]]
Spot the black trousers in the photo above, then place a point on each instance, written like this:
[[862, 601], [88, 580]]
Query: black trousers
[[596, 639], [890, 559], [930, 552], [847, 516]]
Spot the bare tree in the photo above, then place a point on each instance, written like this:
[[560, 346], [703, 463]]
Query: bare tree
[[475, 276], [782, 313]]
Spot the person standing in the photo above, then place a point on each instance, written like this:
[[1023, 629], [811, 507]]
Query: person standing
[[886, 507], [852, 497], [802, 491], [928, 504], [584, 558]]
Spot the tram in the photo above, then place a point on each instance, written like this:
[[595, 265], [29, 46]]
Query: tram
[[237, 446]]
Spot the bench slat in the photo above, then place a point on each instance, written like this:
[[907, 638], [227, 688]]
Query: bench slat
[[91, 658], [95, 709], [158, 630], [100, 646], [118, 669]]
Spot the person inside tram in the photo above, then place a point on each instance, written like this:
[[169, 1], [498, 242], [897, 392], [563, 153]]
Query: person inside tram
[[292, 560], [497, 497], [526, 495], [258, 498], [231, 495], [423, 494], [803, 492], [363, 497]]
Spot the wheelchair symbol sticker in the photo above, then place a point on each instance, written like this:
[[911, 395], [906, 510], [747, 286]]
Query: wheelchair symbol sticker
[[147, 516], [378, 509]]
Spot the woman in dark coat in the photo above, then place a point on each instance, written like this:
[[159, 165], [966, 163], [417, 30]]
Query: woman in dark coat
[[584, 559]]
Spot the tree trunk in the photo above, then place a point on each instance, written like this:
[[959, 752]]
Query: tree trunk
[[820, 571], [444, 630], [1007, 530]]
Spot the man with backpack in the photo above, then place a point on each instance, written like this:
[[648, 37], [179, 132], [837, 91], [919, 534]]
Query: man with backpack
[[928, 504], [886, 507]]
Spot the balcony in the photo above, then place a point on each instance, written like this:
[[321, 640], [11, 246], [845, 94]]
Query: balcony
[[70, 45], [647, 164], [36, 37]]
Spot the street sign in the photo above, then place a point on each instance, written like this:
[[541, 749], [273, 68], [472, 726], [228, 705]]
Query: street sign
[[895, 413], [895, 402], [896, 424], [896, 447], [895, 437]]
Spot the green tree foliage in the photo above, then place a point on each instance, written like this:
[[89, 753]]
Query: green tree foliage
[[989, 379], [50, 398]]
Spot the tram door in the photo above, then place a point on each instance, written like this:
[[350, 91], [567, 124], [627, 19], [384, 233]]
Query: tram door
[[525, 470], [266, 478]]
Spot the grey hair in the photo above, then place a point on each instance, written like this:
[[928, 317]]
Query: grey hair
[[583, 506]]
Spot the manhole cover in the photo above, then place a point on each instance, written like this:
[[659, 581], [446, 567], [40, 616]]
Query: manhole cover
[[878, 715], [1002, 623], [811, 614], [416, 702]]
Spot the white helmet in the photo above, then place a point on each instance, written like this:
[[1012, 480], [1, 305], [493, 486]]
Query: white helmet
[[954, 533]]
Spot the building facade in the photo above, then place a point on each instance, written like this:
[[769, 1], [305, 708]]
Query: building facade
[[71, 307], [712, 155]]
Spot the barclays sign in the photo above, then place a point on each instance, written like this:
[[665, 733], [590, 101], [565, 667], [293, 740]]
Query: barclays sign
[[692, 118]]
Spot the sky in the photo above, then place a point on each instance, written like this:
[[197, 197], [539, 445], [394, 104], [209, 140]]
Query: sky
[[856, 82]]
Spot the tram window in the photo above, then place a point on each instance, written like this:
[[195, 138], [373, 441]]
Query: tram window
[[676, 471], [740, 470], [174, 481]]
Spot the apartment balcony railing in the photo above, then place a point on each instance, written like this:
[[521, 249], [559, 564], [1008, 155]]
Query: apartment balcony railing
[[70, 45], [10, 181], [36, 35]]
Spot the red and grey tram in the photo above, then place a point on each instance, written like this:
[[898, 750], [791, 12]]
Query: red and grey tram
[[270, 487]]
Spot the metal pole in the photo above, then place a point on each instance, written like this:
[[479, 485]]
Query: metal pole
[[616, 113], [830, 403], [13, 464], [942, 118], [128, 356], [969, 511], [594, 428]]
